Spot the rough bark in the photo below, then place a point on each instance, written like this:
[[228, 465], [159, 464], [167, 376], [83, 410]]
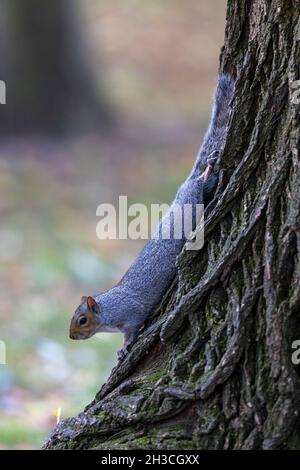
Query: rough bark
[[223, 378]]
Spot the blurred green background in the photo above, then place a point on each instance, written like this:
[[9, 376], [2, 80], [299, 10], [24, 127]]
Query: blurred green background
[[157, 62]]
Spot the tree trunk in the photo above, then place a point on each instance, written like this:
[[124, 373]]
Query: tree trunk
[[224, 377], [48, 74]]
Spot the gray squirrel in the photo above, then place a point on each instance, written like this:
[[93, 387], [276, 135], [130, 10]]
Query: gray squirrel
[[126, 306]]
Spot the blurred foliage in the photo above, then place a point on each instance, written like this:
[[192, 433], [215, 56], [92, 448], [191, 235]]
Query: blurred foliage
[[160, 59]]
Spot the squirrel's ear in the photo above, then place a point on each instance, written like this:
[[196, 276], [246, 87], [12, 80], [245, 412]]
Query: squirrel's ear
[[92, 304], [83, 299]]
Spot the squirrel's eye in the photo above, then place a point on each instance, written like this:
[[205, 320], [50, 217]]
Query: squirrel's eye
[[82, 321]]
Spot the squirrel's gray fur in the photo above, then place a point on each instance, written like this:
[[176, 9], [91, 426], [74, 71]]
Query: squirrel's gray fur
[[126, 306]]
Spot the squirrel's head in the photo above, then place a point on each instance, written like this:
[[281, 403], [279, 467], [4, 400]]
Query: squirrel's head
[[86, 319]]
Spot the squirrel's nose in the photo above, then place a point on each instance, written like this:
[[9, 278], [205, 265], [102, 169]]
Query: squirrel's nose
[[72, 336]]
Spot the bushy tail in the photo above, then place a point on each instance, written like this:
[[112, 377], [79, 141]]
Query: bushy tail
[[216, 133], [223, 97]]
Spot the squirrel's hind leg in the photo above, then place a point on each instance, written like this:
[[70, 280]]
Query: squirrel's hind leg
[[209, 178]]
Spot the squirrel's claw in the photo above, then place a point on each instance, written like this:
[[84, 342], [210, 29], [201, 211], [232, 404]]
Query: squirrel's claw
[[210, 165]]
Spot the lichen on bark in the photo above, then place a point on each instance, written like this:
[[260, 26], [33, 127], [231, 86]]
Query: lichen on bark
[[223, 377]]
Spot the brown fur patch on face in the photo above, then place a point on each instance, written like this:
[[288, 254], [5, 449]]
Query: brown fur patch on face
[[84, 324]]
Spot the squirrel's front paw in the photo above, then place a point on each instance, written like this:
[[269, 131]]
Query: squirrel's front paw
[[122, 353]]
